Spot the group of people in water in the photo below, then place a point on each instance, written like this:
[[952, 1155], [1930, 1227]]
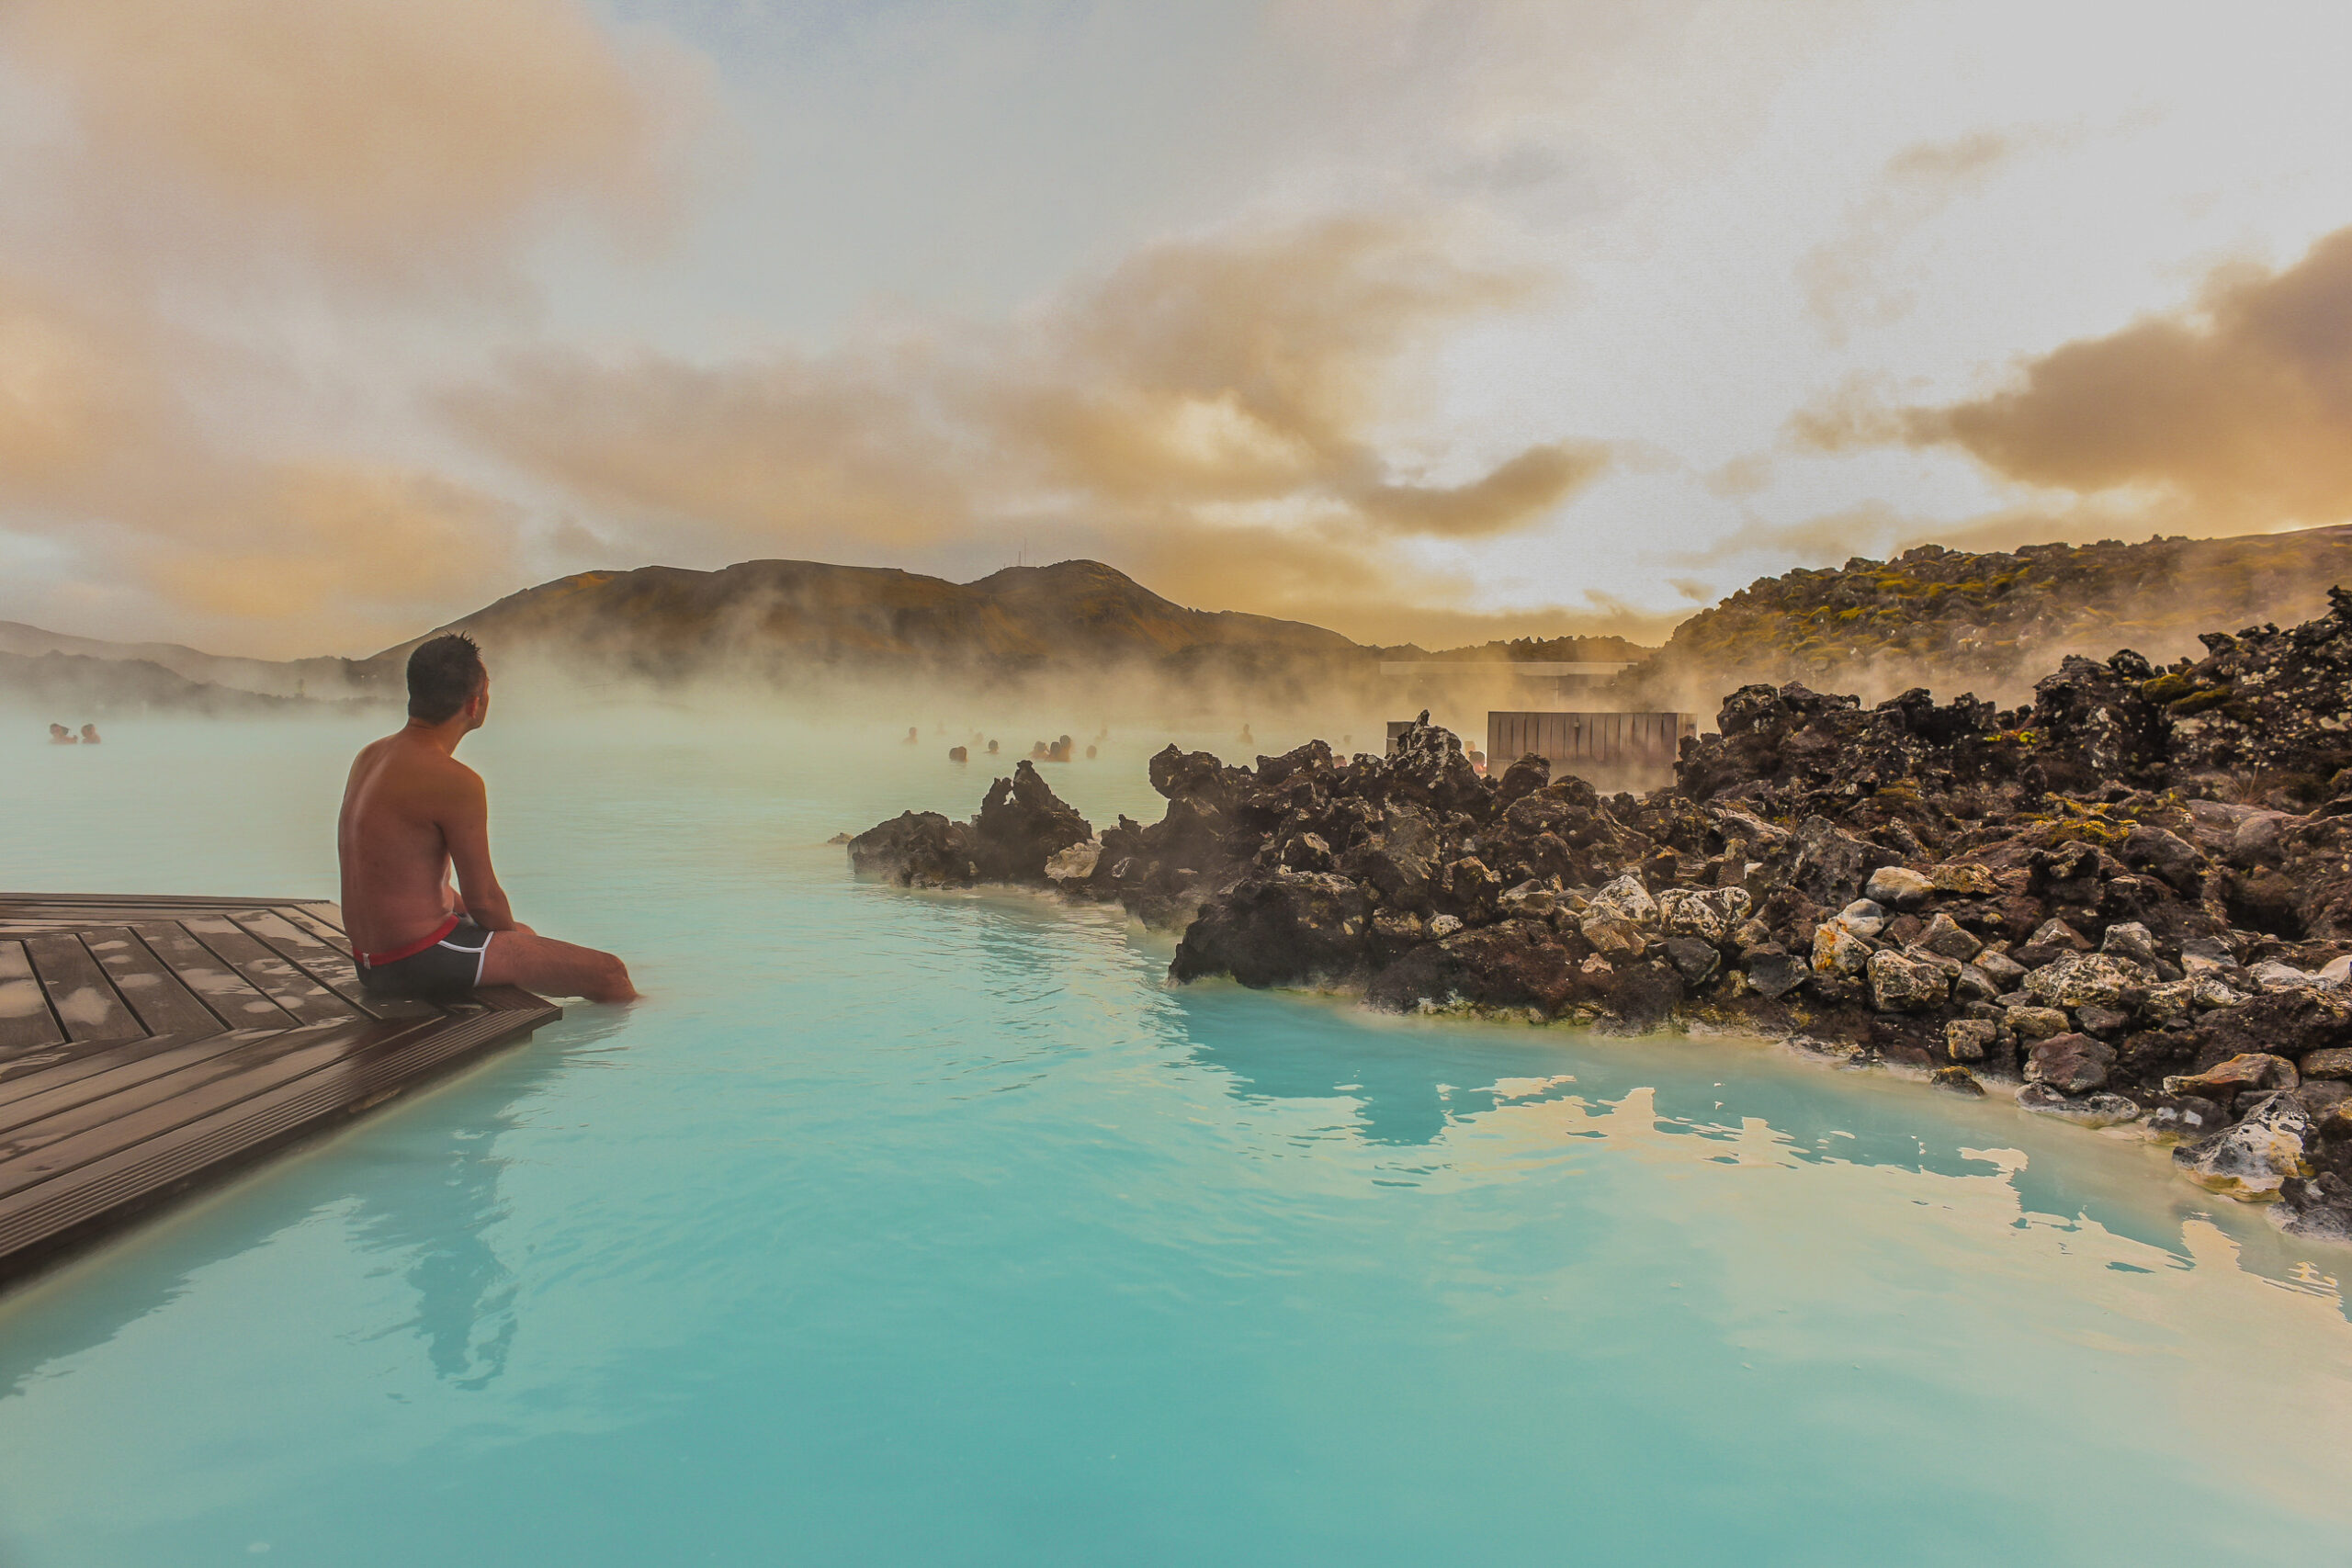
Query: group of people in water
[[61, 736]]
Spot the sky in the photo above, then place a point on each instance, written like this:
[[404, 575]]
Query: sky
[[324, 322]]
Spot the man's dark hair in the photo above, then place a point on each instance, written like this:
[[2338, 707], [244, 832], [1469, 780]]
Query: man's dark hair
[[443, 674]]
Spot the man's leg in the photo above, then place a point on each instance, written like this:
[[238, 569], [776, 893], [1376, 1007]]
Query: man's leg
[[555, 968]]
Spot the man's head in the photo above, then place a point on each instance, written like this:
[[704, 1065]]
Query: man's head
[[445, 677]]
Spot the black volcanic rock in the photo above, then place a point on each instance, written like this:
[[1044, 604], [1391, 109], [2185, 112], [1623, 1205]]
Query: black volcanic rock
[[2097, 885], [1280, 927], [1022, 825], [916, 849]]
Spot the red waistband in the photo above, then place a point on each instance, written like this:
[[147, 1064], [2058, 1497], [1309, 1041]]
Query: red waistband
[[378, 960]]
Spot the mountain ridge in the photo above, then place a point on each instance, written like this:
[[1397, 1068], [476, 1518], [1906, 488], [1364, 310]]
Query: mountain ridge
[[778, 617], [1932, 616]]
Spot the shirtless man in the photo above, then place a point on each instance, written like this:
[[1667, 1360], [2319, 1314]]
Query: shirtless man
[[410, 811]]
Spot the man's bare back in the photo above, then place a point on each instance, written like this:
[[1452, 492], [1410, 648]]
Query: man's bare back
[[412, 814]]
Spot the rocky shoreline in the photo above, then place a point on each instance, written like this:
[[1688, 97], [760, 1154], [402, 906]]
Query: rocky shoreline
[[2133, 896]]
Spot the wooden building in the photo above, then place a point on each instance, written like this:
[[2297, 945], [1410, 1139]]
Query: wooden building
[[1570, 742]]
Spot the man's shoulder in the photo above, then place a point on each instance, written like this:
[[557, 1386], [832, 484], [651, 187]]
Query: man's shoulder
[[445, 770], [394, 758]]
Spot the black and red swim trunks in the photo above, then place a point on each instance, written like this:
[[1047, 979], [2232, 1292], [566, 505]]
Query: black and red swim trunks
[[440, 967]]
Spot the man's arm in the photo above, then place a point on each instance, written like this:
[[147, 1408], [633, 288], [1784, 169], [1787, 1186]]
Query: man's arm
[[465, 827]]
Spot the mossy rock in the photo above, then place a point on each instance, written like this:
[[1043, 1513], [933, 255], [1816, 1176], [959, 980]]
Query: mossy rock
[[2211, 697], [2168, 688]]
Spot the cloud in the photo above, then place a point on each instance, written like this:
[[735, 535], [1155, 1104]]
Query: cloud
[[1962, 161], [97, 434], [72, 389], [2241, 408], [1863, 411], [1877, 530], [1844, 277], [1361, 594], [203, 208], [1747, 474], [381, 135], [1223, 391]]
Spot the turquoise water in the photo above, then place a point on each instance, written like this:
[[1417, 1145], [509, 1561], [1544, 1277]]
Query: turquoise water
[[931, 1229]]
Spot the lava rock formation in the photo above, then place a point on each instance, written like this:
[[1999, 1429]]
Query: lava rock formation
[[2132, 896]]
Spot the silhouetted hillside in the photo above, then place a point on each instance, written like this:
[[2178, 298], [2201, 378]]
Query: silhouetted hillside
[[72, 688], [1534, 650], [1950, 619], [793, 622], [321, 678]]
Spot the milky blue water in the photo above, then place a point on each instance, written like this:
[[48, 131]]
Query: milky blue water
[[933, 1229]]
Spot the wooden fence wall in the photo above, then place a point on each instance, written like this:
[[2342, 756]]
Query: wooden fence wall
[[1602, 740]]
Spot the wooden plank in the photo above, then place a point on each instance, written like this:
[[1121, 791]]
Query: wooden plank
[[148, 985], [157, 1164], [40, 1072], [330, 967], [221, 1138], [11, 901], [111, 1071], [95, 1074], [303, 917], [147, 1041], [75, 1126], [26, 1022], [93, 1129], [286, 985], [326, 914], [220, 987], [79, 992]]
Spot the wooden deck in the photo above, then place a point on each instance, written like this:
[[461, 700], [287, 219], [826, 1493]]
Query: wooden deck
[[149, 1042]]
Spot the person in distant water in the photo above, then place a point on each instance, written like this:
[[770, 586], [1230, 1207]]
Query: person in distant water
[[89, 735], [411, 812], [59, 736]]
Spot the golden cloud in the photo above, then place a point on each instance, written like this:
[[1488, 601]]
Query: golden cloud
[[1361, 594], [379, 544], [73, 389], [1844, 277], [92, 432], [190, 157], [1231, 382], [382, 133], [2243, 408]]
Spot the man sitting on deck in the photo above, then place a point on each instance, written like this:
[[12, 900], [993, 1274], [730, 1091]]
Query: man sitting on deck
[[411, 810]]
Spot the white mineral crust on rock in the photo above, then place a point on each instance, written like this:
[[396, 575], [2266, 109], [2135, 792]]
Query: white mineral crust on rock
[[2252, 1161]]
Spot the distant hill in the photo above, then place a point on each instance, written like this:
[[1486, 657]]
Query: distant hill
[[794, 622], [1952, 619], [321, 678], [1941, 619], [1534, 650], [74, 689]]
